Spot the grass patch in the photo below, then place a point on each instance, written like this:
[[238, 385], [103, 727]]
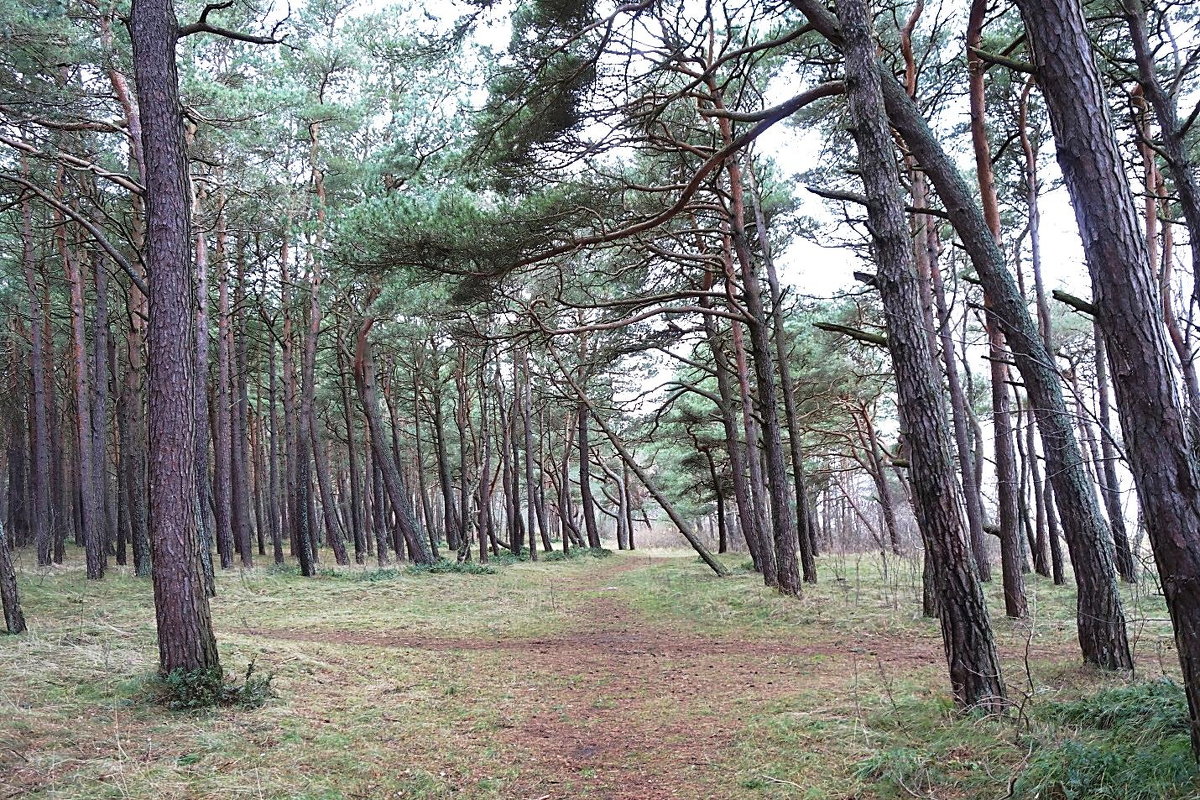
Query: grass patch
[[393, 684], [1126, 743], [195, 690]]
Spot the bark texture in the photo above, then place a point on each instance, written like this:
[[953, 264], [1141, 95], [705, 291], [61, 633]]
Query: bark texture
[[966, 631], [185, 634], [1146, 381]]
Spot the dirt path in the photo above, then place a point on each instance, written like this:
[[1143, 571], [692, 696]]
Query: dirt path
[[632, 708]]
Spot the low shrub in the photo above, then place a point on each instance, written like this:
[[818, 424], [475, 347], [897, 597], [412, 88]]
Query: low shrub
[[507, 556], [443, 567], [194, 690], [376, 575]]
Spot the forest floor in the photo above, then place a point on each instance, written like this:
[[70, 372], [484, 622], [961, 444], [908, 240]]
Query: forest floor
[[634, 677]]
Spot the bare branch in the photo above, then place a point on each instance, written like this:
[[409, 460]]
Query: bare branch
[[88, 226]]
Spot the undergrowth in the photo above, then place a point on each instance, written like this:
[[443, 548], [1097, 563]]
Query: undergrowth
[[195, 690], [577, 552], [444, 567], [1127, 743]]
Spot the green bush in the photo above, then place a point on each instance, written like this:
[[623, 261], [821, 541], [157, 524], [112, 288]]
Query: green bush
[[1142, 711], [507, 557], [376, 575], [193, 690], [443, 567]]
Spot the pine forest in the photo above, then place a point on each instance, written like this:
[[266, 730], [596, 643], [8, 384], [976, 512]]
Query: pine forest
[[630, 400]]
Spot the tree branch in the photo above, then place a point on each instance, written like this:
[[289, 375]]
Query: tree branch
[[1077, 303], [87, 225], [854, 197], [1003, 61], [877, 339]]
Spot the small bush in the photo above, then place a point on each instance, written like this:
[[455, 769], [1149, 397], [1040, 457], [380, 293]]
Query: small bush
[[586, 552], [193, 690], [507, 557], [577, 552], [444, 567], [376, 575], [1108, 770], [1143, 711], [283, 569]]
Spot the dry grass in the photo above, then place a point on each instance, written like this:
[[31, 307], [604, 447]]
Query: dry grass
[[635, 676]]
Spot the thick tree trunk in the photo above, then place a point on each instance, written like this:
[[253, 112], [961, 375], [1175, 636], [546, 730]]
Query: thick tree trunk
[[1153, 416], [185, 635], [966, 632]]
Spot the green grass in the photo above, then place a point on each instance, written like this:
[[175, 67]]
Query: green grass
[[398, 684]]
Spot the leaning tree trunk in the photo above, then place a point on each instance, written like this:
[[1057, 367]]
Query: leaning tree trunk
[[1110, 486], [185, 635], [364, 379], [1100, 618], [966, 632], [783, 515], [1153, 417]]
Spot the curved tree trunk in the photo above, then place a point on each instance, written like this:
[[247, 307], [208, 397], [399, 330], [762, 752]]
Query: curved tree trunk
[[364, 379], [1100, 618]]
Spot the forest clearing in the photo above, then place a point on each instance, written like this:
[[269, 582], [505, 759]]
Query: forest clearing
[[630, 677]]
